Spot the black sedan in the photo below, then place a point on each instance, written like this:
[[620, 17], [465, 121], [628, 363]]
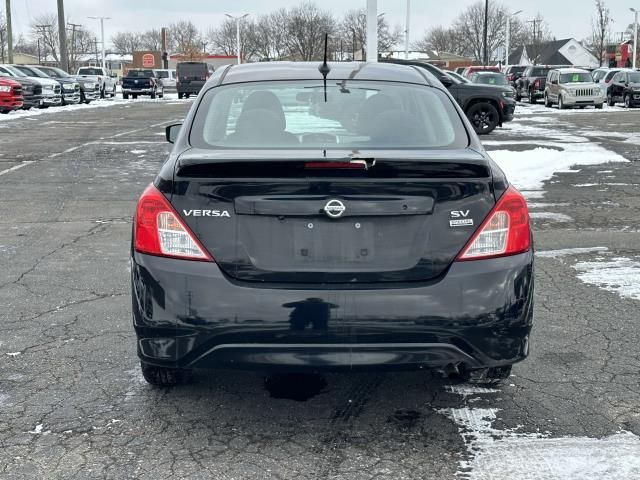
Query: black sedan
[[350, 221]]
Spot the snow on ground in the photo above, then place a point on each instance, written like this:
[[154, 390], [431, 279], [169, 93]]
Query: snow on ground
[[564, 252], [620, 275], [528, 170], [507, 454], [554, 217]]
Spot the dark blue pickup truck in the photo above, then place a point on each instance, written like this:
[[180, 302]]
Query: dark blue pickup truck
[[141, 82]]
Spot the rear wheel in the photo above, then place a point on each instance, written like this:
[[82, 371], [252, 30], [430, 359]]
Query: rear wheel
[[518, 96], [125, 96], [532, 97], [484, 117], [113, 92], [627, 101], [180, 95], [134, 96], [153, 94], [599, 106], [547, 102], [102, 92], [165, 377], [487, 376], [610, 101]]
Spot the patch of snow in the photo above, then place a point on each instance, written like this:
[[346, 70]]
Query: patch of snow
[[138, 152], [468, 390], [507, 454], [580, 185], [620, 275], [14, 354], [37, 430], [555, 217], [546, 205], [533, 193], [569, 251], [528, 170]]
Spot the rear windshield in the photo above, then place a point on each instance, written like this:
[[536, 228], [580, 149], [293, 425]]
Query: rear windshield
[[491, 79], [162, 74], [518, 69], [140, 73], [356, 114], [539, 72], [583, 77], [192, 69], [90, 71]]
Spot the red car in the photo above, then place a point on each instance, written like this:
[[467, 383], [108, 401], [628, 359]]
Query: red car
[[479, 68], [10, 95]]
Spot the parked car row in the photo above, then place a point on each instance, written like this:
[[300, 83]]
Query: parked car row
[[43, 86]]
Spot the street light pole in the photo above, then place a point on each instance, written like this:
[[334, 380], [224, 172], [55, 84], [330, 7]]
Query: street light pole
[[62, 37], [406, 31], [485, 56], [635, 37], [102, 19], [508, 39], [372, 30], [237, 20]]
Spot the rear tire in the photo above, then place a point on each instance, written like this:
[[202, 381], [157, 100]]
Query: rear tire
[[113, 93], [153, 95], [532, 98], [488, 376], [599, 106], [547, 102], [180, 95], [627, 101], [484, 117], [102, 92], [165, 377], [610, 100], [125, 96]]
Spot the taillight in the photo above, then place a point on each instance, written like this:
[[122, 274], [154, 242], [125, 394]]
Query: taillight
[[159, 231], [505, 231], [536, 83]]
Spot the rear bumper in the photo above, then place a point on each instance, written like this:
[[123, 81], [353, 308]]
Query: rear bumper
[[137, 91], [186, 88], [189, 314]]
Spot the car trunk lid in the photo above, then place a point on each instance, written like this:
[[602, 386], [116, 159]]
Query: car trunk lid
[[402, 217]]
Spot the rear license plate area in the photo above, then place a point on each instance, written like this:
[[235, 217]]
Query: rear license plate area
[[334, 243]]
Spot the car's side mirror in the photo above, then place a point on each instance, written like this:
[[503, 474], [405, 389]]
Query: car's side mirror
[[172, 131], [446, 81]]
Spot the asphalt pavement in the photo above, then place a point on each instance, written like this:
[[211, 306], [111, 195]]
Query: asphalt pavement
[[73, 403]]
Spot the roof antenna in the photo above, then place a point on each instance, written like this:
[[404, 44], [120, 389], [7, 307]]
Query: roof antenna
[[324, 68]]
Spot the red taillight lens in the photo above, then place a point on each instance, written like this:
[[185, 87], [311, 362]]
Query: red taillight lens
[[505, 231], [159, 231]]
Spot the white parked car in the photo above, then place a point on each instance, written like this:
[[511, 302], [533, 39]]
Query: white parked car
[[103, 77], [167, 78], [572, 87]]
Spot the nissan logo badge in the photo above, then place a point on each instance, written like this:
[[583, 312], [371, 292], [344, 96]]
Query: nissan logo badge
[[334, 208]]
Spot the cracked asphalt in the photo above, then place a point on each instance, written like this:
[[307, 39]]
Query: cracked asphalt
[[73, 403]]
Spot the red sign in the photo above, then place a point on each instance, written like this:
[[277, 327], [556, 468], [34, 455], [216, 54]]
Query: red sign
[[148, 60]]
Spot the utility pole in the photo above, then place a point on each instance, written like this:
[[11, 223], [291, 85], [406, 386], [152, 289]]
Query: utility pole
[[2, 46], [165, 53], [485, 56], [237, 20], [635, 37], [535, 22], [73, 42], [406, 31], [9, 33], [372, 31], [62, 37]]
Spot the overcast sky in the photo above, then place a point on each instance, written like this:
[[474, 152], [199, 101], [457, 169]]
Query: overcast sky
[[567, 18]]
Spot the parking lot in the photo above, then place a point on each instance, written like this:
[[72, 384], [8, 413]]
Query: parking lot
[[73, 403]]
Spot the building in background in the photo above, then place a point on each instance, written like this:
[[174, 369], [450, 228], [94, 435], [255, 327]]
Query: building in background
[[444, 60], [558, 52]]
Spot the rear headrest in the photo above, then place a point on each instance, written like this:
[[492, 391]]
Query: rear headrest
[[265, 100]]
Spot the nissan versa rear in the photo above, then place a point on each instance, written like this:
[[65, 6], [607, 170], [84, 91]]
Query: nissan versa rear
[[320, 218]]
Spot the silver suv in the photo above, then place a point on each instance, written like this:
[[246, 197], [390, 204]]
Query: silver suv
[[572, 87]]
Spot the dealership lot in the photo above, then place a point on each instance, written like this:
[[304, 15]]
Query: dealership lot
[[74, 405]]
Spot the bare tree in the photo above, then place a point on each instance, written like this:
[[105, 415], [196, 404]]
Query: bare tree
[[151, 39], [45, 29], [470, 27], [125, 43], [538, 36], [223, 38], [268, 35], [601, 28], [353, 32], [441, 39], [307, 25], [186, 38]]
